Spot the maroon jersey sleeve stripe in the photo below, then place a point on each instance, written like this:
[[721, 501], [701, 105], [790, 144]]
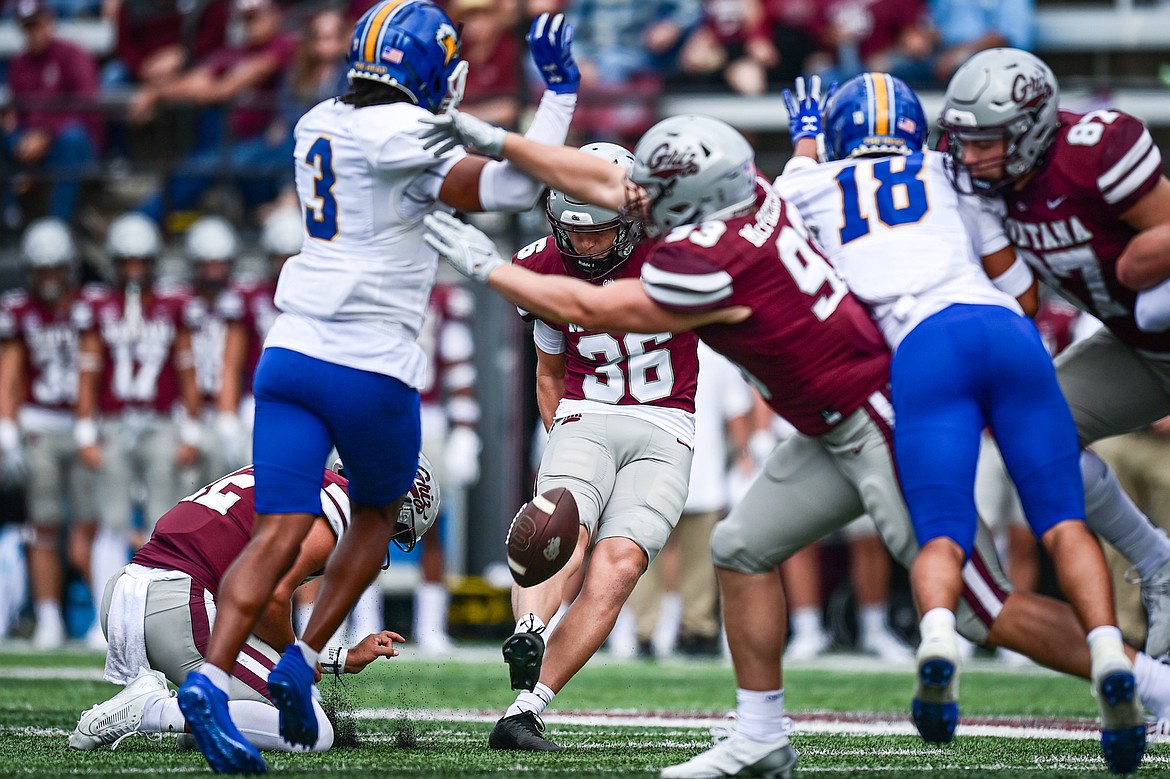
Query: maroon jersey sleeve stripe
[[686, 291], [1138, 166]]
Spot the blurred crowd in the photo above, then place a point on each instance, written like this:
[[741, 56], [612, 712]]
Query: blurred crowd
[[199, 97]]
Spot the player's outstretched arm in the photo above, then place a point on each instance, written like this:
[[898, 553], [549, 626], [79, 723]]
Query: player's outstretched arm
[[622, 306], [583, 176]]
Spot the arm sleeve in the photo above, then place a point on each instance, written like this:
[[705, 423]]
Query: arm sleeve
[[548, 338], [503, 186], [1016, 280]]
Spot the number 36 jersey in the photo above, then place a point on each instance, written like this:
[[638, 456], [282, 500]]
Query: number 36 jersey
[[1066, 221], [356, 295], [647, 375], [907, 244]]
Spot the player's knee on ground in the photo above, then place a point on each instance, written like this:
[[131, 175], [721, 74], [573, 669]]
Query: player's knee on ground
[[732, 548]]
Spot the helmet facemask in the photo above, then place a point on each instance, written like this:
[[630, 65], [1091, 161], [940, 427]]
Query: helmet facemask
[[596, 265]]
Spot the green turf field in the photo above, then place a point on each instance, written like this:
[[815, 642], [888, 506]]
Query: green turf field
[[431, 719]]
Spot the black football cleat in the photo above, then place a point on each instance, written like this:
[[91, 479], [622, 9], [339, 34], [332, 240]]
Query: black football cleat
[[523, 652], [521, 731]]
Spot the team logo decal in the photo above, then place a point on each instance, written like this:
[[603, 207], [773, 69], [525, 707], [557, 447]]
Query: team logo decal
[[1031, 90], [445, 36], [666, 162], [552, 548]]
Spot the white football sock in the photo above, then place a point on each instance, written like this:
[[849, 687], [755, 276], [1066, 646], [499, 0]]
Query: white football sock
[[806, 620], [366, 617], [759, 714], [1110, 513], [311, 655], [260, 724], [217, 676], [669, 622], [536, 701], [937, 622], [301, 616], [161, 714], [1153, 684], [871, 619], [529, 623], [431, 603]]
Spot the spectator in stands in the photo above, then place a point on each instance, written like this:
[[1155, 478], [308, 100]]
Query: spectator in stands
[[51, 130], [958, 29], [747, 45], [868, 35], [624, 49], [492, 50], [319, 65], [244, 82], [156, 39]]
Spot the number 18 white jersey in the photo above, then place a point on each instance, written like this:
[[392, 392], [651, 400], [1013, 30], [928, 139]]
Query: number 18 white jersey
[[905, 242], [357, 293]]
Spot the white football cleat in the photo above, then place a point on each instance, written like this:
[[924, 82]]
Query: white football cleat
[[1156, 600], [886, 646], [935, 707], [113, 720], [738, 756], [1123, 725], [807, 645]]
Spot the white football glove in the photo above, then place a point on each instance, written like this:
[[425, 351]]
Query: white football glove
[[464, 246], [13, 465], [233, 439], [461, 456], [458, 129]]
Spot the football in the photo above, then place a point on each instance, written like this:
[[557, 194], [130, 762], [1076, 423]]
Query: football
[[542, 536]]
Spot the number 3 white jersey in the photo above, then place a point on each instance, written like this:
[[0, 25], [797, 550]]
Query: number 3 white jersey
[[356, 295], [905, 242]]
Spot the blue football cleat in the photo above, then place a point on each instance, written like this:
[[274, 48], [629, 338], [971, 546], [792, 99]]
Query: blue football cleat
[[206, 708], [290, 684], [935, 708], [1123, 728]]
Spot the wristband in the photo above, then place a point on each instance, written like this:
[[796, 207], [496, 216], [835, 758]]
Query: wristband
[[333, 660], [85, 432]]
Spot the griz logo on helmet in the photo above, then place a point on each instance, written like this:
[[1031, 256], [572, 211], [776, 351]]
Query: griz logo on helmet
[[422, 493], [1029, 91], [666, 163]]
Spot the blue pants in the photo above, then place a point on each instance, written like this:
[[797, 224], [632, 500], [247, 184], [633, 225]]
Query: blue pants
[[304, 406], [70, 157], [963, 369]]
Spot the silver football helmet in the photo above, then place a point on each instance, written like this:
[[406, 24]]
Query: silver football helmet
[[693, 168], [568, 216], [420, 507], [211, 238], [283, 232], [1001, 93], [47, 243], [133, 235]]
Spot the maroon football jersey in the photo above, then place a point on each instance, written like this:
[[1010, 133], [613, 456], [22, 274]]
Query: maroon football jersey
[[625, 369], [449, 309], [50, 349], [809, 346], [259, 312], [138, 367], [208, 323], [205, 531], [1066, 221]]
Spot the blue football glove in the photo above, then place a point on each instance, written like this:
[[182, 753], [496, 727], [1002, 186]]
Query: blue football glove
[[806, 109], [551, 40]]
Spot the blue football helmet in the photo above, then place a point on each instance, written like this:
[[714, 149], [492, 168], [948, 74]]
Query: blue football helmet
[[411, 45], [874, 114]]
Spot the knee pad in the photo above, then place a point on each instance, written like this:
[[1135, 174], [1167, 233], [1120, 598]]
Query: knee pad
[[731, 548]]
